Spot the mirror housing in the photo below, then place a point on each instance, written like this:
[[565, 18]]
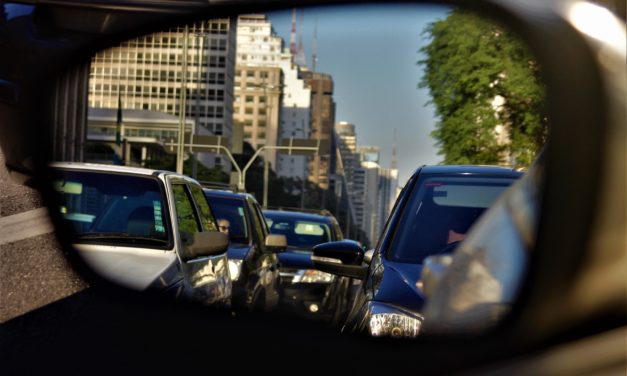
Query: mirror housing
[[276, 242], [349, 252], [342, 258], [433, 270], [202, 244], [368, 256]]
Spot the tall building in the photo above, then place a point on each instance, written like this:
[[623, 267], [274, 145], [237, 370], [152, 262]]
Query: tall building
[[369, 153], [295, 117], [322, 121], [257, 105], [260, 47], [347, 145], [147, 73], [366, 199], [388, 191]]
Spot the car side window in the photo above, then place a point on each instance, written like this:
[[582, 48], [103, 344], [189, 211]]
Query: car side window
[[262, 219], [184, 209], [206, 216], [258, 223]]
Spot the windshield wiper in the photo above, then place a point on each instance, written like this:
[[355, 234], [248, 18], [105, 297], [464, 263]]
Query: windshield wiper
[[120, 237]]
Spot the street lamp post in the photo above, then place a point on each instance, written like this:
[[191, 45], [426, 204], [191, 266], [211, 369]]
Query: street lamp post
[[199, 57], [242, 182], [182, 106]]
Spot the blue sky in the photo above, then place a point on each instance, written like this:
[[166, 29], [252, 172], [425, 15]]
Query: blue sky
[[371, 52]]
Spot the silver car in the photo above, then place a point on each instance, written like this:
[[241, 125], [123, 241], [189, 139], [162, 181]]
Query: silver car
[[145, 230]]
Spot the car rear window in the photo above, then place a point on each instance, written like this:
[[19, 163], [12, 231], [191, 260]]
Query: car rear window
[[300, 234], [113, 207]]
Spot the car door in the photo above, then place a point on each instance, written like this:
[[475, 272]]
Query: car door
[[207, 279], [268, 262]]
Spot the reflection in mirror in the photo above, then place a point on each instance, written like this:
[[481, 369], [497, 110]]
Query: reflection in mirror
[[329, 110]]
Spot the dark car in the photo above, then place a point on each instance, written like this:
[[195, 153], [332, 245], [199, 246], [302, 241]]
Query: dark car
[[308, 292], [431, 216], [252, 252]]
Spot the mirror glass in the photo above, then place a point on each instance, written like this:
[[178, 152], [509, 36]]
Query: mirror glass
[[310, 123]]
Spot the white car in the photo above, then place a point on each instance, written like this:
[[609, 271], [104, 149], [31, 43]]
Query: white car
[[145, 229]]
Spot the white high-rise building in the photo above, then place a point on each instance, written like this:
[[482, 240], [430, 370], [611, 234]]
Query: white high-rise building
[[147, 74], [388, 191], [366, 199], [295, 117], [259, 47], [258, 82]]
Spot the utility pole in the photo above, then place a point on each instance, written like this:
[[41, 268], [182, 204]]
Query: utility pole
[[302, 192], [266, 168], [182, 106], [266, 172], [199, 58]]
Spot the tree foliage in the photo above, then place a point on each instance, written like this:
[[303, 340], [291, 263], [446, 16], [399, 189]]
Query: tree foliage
[[470, 64]]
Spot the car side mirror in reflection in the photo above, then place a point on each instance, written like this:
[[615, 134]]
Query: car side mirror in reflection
[[341, 258], [276, 242], [201, 244]]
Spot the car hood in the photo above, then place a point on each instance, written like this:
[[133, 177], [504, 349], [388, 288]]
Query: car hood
[[238, 251], [398, 286], [135, 268]]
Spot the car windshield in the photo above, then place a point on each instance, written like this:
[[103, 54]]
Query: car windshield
[[439, 213], [301, 234], [112, 207], [231, 217]]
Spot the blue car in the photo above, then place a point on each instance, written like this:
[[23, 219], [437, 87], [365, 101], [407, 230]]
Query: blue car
[[432, 215], [307, 292], [252, 252]]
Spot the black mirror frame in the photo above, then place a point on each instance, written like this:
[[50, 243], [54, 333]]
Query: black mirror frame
[[574, 154]]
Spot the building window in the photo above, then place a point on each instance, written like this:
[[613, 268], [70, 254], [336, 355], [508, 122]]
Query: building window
[[217, 130]]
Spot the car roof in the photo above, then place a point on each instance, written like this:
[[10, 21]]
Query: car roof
[[111, 168], [300, 216], [228, 194], [469, 169]]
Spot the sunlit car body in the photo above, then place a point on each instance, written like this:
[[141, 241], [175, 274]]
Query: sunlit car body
[[436, 202], [474, 287], [308, 292], [134, 226], [254, 266]]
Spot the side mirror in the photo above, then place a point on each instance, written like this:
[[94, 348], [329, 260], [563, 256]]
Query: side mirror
[[368, 256], [202, 244], [342, 258], [276, 242], [433, 270]]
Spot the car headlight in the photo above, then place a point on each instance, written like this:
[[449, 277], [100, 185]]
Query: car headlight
[[392, 323], [235, 268], [312, 276]]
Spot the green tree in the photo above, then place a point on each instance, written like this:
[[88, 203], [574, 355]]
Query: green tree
[[472, 65], [168, 163]]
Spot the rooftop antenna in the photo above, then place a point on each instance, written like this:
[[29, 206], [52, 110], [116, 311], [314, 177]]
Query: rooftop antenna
[[314, 55], [300, 58], [394, 151], [293, 33]]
